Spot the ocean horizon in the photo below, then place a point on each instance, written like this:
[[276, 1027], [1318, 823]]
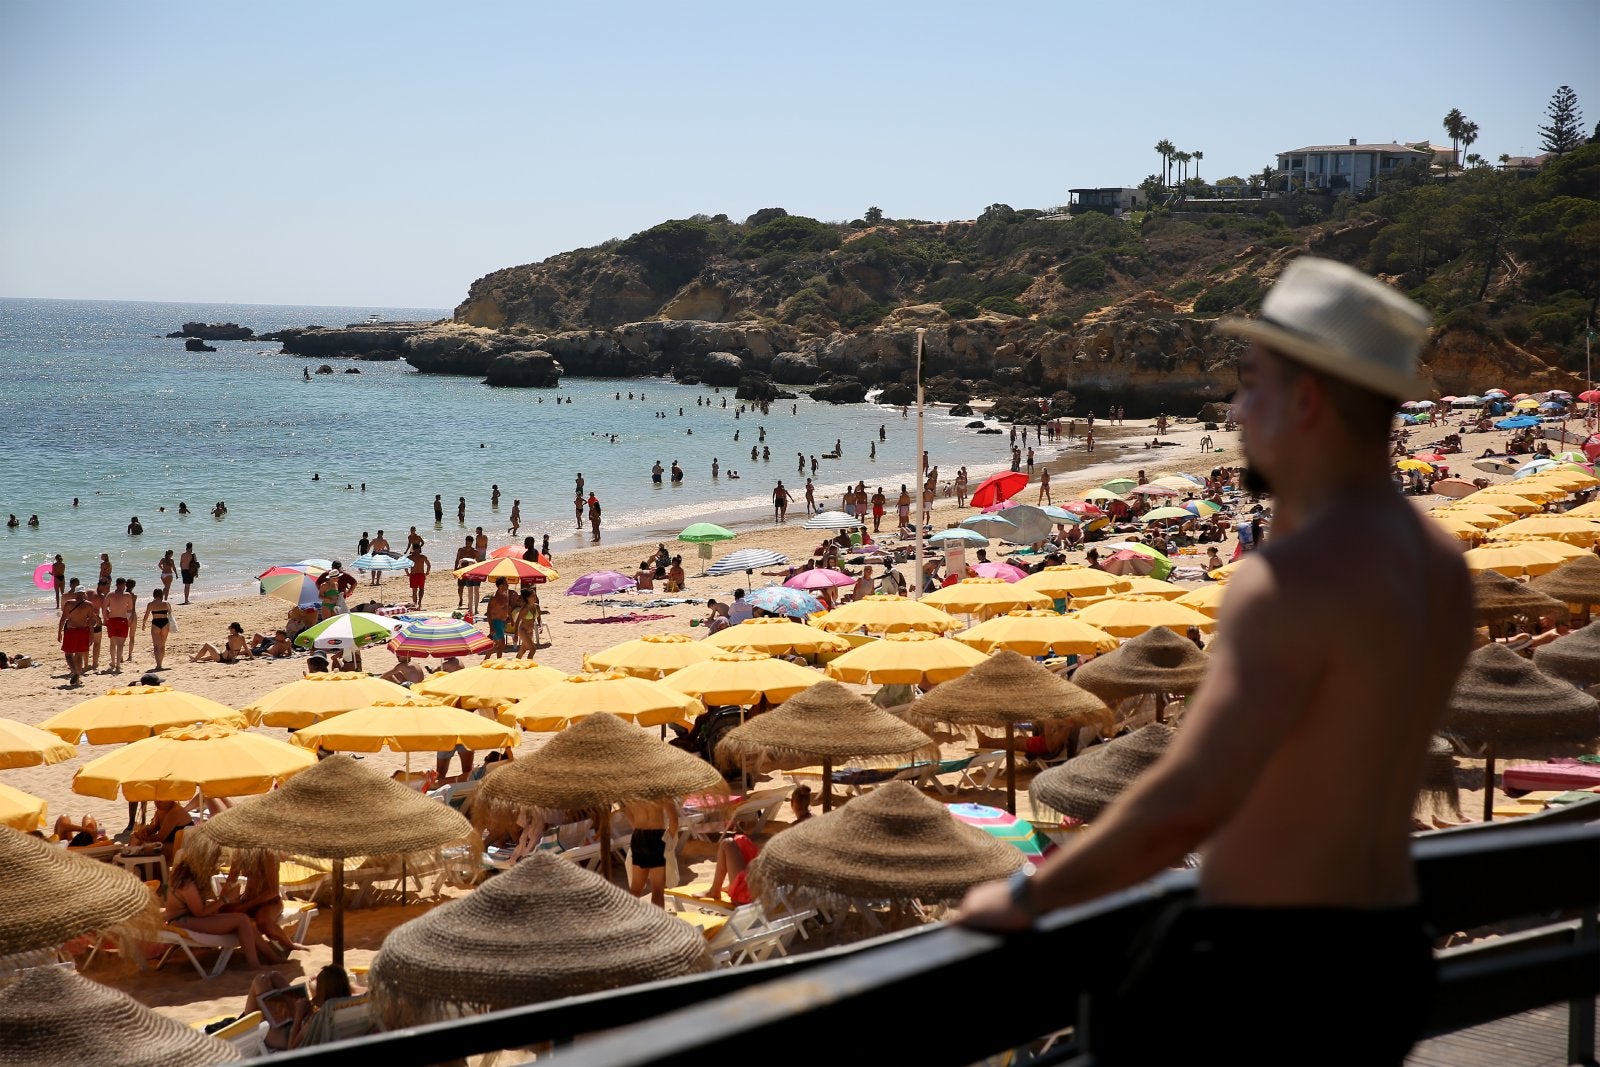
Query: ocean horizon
[[102, 408]]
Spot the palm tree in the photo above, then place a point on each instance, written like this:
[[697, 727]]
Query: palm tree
[[1455, 124], [1183, 159], [1165, 149], [1198, 156], [1469, 133], [1267, 175]]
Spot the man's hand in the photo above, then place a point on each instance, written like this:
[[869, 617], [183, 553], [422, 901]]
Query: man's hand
[[989, 907]]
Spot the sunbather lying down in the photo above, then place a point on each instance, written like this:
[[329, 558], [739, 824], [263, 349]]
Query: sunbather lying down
[[1049, 742]]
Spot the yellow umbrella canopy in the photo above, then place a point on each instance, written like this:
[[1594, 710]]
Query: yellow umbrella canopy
[[742, 678], [21, 811], [219, 761], [1591, 510], [50, 895], [1584, 532], [1529, 489], [410, 727], [1485, 518], [22, 745], [905, 659], [1207, 599], [887, 615], [985, 596], [1144, 585], [1038, 633], [1057, 582], [1132, 614], [489, 684], [777, 637], [1504, 501], [652, 656], [636, 700], [1514, 558], [1226, 571], [129, 713], [1461, 528], [316, 696]]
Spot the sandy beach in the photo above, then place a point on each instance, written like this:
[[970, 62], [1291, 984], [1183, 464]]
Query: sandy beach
[[32, 695]]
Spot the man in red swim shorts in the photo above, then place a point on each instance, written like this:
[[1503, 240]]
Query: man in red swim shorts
[[76, 630], [421, 566]]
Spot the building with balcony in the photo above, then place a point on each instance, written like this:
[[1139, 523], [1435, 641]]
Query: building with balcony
[[1349, 167]]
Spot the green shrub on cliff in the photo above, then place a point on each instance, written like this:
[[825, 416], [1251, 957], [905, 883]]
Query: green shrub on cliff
[[673, 252], [788, 235], [960, 308], [1005, 305], [1241, 294]]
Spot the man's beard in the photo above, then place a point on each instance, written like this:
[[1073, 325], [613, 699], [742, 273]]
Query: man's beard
[[1254, 481]]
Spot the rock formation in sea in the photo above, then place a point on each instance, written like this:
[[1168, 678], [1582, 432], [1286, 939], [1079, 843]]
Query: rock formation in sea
[[214, 331]]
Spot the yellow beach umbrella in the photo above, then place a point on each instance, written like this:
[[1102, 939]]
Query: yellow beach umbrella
[[1207, 599], [1227, 570], [1569, 477], [489, 684], [907, 658], [219, 761], [21, 811], [1484, 517], [985, 597], [1591, 510], [1038, 633], [1528, 489], [652, 656], [742, 678], [133, 712], [1145, 585], [1414, 465], [1462, 528], [777, 637], [1526, 556], [887, 614], [316, 696], [635, 700], [1579, 531], [510, 568], [22, 745], [1131, 614], [1056, 582], [415, 727], [1504, 501]]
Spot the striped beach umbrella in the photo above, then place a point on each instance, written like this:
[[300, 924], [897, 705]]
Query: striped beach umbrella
[[1003, 826], [509, 568], [747, 559], [381, 561], [295, 586], [440, 638], [353, 629], [832, 520]]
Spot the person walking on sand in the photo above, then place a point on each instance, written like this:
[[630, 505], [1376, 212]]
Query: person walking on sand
[[594, 517], [169, 570], [780, 502], [516, 517], [421, 567], [879, 502], [118, 614], [466, 556], [654, 824], [1044, 486], [1291, 694], [499, 613], [811, 497], [159, 621], [75, 631], [902, 506], [188, 568]]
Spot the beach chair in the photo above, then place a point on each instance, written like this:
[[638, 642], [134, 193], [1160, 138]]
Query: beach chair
[[339, 1019], [748, 937], [247, 1033], [982, 771], [932, 774], [754, 812], [190, 941]]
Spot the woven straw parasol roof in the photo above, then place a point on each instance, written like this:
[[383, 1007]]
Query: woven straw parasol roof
[[55, 1018], [1009, 688], [1504, 700], [892, 843], [1496, 597], [49, 895], [827, 721], [1157, 661], [543, 930], [1574, 582], [1082, 787], [1573, 658], [596, 762], [335, 810]]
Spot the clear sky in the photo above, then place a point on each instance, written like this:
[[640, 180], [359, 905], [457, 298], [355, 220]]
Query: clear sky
[[389, 153]]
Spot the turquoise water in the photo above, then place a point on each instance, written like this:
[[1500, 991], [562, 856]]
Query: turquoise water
[[96, 404]]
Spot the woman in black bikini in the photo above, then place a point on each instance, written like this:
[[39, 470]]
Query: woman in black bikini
[[158, 620]]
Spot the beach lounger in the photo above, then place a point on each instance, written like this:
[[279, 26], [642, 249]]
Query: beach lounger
[[247, 1033], [753, 813], [300, 913], [932, 774], [339, 1020], [749, 936], [983, 770]]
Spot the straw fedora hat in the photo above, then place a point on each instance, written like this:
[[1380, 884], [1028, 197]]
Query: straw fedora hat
[[1573, 658], [543, 930], [893, 843], [1009, 688], [337, 809], [1340, 321], [829, 722], [55, 1018], [49, 895], [1496, 597], [596, 762], [1157, 661], [1574, 582], [1505, 701], [1082, 787]]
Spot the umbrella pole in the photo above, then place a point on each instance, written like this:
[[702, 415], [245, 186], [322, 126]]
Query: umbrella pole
[[1161, 707], [1011, 772], [338, 912], [827, 784], [605, 844], [404, 874], [1488, 785]]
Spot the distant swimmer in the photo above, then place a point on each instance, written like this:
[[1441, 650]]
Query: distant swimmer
[[873, 452], [677, 473], [883, 432], [655, 472], [183, 509], [316, 477], [800, 460], [494, 496], [461, 510], [516, 517], [74, 501], [33, 520], [438, 508], [754, 451], [135, 528], [306, 371], [715, 466], [763, 432], [13, 522]]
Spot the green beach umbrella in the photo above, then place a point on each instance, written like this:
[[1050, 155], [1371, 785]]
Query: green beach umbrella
[[1119, 485], [353, 629], [705, 534]]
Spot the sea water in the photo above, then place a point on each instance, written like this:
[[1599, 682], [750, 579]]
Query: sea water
[[97, 404]]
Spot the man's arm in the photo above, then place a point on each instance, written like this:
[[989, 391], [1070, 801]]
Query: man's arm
[[1261, 677]]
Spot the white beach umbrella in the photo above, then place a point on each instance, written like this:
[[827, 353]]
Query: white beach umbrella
[[832, 520], [747, 559]]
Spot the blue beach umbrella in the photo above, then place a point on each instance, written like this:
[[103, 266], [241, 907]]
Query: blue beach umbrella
[[381, 561], [990, 525], [958, 536], [782, 600], [1517, 422]]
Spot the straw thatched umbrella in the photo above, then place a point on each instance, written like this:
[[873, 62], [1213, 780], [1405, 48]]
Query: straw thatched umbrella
[[826, 722], [543, 930], [1573, 658], [1082, 787], [1575, 583], [1508, 706], [49, 895], [596, 762], [335, 810], [55, 1018], [1497, 599], [892, 844], [1004, 690], [1439, 777], [1157, 661]]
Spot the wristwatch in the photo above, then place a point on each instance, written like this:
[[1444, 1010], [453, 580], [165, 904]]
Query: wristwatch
[[1019, 884]]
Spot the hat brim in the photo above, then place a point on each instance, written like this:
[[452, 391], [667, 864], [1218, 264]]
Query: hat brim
[[1331, 361]]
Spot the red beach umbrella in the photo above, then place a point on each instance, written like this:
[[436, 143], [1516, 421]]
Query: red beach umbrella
[[1084, 510], [998, 487]]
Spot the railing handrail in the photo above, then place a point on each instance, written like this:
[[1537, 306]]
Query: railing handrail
[[779, 1007]]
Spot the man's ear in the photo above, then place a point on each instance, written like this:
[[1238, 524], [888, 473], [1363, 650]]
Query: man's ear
[[1308, 399]]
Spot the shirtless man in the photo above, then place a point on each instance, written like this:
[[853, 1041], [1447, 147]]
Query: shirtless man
[[188, 568], [118, 614], [1296, 703], [480, 544], [97, 601], [498, 613], [417, 577], [466, 556], [75, 629], [654, 823]]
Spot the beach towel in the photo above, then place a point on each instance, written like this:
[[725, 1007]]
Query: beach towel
[[631, 616]]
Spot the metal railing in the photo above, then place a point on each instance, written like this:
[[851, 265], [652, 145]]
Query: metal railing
[[897, 999]]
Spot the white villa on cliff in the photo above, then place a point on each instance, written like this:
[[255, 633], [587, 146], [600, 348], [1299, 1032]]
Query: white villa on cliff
[[1352, 166]]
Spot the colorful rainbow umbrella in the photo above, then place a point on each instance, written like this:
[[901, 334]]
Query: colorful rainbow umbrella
[[1003, 826], [782, 600], [440, 638]]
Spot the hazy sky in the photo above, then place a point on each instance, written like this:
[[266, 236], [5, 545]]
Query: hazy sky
[[389, 153]]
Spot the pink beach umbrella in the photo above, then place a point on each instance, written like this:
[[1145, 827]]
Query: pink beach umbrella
[[820, 578], [1004, 571], [1003, 505], [600, 583]]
